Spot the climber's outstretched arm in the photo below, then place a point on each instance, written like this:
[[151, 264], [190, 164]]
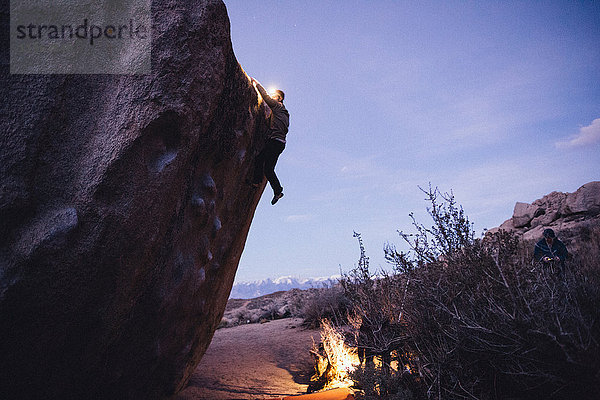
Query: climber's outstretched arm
[[270, 101]]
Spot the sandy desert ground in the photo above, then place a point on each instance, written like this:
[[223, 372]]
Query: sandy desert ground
[[254, 361]]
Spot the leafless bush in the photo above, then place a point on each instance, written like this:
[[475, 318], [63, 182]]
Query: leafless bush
[[378, 332], [324, 303], [264, 308], [376, 307], [376, 384], [474, 319]]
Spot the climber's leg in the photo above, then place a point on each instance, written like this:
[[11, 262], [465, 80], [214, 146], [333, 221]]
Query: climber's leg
[[272, 150]]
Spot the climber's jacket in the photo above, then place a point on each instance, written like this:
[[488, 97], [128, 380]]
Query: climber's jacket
[[558, 249], [280, 117]]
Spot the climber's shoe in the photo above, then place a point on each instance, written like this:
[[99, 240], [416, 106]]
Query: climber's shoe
[[276, 198]]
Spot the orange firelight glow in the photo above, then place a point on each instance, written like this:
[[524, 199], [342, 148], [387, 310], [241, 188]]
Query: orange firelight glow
[[342, 358]]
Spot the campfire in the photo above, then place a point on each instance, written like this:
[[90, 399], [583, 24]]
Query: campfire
[[335, 360]]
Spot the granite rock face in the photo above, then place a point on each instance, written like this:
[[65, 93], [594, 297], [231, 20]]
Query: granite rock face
[[523, 214], [123, 213], [566, 213]]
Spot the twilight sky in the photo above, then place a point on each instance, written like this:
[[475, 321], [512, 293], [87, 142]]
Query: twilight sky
[[498, 101]]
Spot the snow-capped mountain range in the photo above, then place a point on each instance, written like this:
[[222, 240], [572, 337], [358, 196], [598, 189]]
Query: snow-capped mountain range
[[249, 290]]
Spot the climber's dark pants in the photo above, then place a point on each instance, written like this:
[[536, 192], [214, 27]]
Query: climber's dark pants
[[265, 164]]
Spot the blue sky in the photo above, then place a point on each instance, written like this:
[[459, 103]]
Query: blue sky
[[497, 101]]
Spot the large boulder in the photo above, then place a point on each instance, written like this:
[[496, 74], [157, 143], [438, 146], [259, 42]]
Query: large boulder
[[585, 200], [124, 212], [566, 213], [523, 214]]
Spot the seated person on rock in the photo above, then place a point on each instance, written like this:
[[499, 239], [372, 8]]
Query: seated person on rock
[[550, 249], [279, 123]]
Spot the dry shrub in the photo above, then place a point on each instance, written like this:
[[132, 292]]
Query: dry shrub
[[324, 303], [374, 383], [475, 319], [260, 309], [379, 333]]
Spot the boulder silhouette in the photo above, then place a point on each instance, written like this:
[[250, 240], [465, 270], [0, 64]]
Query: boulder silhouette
[[123, 213]]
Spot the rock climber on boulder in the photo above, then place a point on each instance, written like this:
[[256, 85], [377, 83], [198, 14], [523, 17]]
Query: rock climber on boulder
[[279, 121]]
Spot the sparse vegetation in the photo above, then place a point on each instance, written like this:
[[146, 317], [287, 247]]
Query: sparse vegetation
[[261, 309], [467, 318], [325, 303], [311, 305]]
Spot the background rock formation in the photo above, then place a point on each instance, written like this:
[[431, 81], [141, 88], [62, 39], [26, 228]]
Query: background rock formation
[[123, 213], [566, 213]]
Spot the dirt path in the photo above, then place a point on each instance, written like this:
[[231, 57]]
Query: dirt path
[[254, 361]]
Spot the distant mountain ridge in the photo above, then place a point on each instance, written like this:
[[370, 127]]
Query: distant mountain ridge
[[250, 290]]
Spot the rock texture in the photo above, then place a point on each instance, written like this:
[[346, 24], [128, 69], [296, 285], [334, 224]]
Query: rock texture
[[566, 213], [123, 213]]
